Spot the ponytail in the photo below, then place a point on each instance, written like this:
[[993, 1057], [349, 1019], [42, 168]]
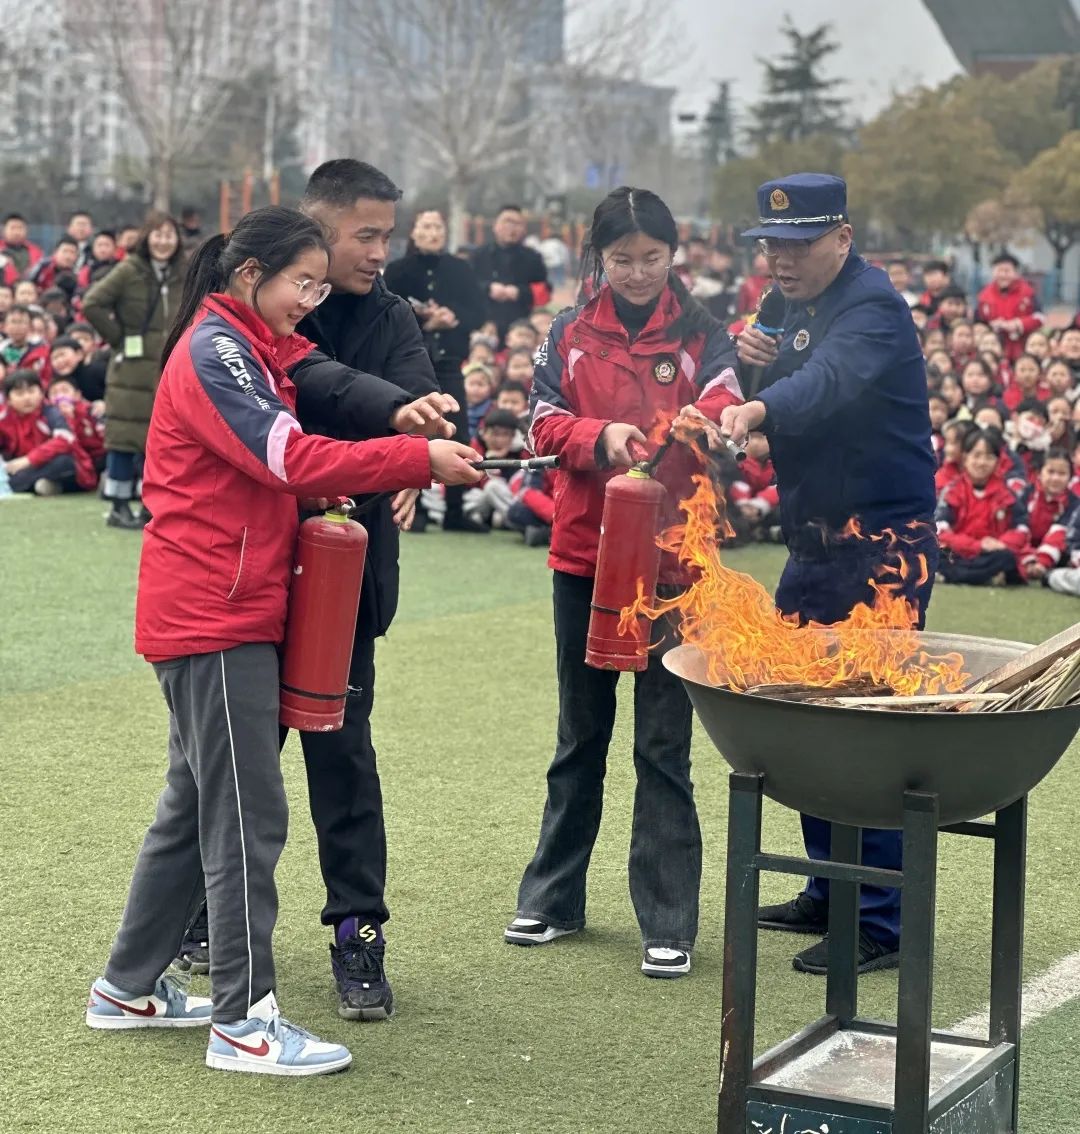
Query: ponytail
[[204, 276], [273, 237]]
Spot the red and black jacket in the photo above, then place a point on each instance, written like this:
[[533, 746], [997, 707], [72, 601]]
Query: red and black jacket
[[588, 374], [225, 459]]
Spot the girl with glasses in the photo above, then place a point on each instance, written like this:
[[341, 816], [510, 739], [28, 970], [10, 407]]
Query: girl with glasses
[[226, 460], [636, 355]]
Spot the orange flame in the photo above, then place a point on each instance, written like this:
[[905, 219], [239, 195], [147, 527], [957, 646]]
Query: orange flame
[[732, 619]]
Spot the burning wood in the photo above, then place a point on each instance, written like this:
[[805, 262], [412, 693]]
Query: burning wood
[[747, 643], [750, 647]]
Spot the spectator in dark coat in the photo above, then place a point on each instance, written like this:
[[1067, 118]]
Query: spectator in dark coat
[[132, 308], [449, 305], [512, 274]]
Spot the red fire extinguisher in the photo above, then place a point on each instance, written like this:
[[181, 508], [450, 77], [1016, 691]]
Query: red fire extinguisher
[[627, 553], [323, 600]]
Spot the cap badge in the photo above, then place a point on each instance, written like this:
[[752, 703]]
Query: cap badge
[[801, 340], [779, 201], [665, 371]]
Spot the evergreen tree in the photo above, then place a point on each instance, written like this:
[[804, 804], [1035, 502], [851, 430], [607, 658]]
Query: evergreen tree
[[718, 130], [799, 101]]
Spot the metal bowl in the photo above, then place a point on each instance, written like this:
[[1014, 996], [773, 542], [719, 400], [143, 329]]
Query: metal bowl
[[853, 765]]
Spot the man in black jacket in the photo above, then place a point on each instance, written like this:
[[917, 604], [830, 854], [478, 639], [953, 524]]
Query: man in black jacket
[[364, 326], [360, 327], [511, 273]]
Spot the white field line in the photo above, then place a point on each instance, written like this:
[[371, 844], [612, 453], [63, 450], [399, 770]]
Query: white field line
[[1042, 994]]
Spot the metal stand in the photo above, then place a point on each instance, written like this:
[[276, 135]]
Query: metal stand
[[845, 1074]]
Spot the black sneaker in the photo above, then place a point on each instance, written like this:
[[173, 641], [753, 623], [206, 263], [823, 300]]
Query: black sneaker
[[357, 960], [463, 523], [872, 957], [665, 963], [194, 955], [801, 915], [528, 931]]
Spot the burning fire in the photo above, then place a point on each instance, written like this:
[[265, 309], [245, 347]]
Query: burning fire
[[732, 619]]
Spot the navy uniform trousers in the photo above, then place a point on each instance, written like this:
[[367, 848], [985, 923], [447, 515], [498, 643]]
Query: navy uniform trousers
[[823, 587]]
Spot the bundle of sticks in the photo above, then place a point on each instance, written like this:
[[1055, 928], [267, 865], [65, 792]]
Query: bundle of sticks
[[1044, 677]]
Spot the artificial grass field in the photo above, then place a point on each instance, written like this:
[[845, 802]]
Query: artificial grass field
[[568, 1038]]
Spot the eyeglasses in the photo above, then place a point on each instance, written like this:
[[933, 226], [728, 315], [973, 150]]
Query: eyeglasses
[[772, 246], [619, 271], [308, 292]]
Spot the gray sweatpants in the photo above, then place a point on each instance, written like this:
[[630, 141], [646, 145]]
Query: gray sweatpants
[[219, 830]]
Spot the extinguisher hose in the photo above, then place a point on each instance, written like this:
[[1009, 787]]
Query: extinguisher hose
[[649, 467], [507, 465]]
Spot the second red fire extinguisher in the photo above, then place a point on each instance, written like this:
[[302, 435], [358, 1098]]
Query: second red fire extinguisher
[[324, 598], [627, 554]]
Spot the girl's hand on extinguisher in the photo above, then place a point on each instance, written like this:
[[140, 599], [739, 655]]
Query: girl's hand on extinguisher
[[452, 463], [615, 439]]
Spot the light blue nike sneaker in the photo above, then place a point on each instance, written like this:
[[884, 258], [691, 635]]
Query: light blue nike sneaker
[[267, 1044], [168, 1006]]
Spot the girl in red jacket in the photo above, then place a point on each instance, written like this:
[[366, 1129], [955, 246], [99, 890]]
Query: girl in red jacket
[[640, 350], [981, 522], [225, 461], [1050, 506]]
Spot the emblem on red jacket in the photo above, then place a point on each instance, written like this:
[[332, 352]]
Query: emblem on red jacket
[[666, 371], [802, 340]]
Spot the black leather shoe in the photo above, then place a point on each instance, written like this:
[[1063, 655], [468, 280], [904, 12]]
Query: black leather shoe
[[872, 957], [801, 915], [124, 518]]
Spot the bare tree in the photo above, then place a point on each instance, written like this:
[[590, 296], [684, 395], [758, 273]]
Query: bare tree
[[470, 87], [175, 65]]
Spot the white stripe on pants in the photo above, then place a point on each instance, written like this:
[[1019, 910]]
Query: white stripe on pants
[[221, 823]]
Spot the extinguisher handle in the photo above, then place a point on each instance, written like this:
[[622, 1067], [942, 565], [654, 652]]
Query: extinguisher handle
[[637, 451], [344, 506]]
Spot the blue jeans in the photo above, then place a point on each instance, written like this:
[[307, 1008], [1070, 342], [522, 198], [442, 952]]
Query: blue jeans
[[823, 587], [665, 842], [122, 471]]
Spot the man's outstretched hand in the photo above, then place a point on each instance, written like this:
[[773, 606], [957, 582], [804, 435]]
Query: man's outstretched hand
[[426, 417]]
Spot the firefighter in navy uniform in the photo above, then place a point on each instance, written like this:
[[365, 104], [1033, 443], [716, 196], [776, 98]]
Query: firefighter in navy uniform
[[843, 405]]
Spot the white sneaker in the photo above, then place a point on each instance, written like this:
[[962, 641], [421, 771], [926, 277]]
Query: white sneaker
[[669, 963], [267, 1044], [528, 931], [168, 1006]]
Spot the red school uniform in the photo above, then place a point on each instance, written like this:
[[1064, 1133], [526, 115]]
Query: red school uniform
[[40, 437], [1017, 301], [967, 515], [756, 485], [589, 374], [1047, 520]]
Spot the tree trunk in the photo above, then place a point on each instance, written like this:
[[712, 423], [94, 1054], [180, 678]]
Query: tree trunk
[[457, 216], [162, 175]]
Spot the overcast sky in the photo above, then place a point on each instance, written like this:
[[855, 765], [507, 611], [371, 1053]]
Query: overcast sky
[[884, 47]]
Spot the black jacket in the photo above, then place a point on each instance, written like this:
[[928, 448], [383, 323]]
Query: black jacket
[[89, 376], [516, 264], [451, 283], [376, 335]]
